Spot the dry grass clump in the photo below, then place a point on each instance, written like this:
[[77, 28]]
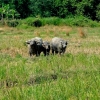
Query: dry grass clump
[[37, 34], [81, 33], [67, 30], [1, 29], [67, 33]]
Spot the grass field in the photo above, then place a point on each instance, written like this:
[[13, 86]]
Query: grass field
[[72, 76]]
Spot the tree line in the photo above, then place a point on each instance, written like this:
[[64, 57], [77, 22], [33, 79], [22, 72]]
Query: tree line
[[49, 8]]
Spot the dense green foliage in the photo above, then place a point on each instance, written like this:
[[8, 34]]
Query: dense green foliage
[[57, 8], [38, 22], [69, 21]]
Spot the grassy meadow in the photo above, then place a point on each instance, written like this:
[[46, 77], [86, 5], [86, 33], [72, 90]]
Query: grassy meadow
[[72, 76]]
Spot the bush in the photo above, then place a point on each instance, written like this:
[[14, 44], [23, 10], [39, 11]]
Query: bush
[[36, 23], [51, 21], [69, 21], [12, 23], [80, 21], [2, 22], [28, 21], [32, 22]]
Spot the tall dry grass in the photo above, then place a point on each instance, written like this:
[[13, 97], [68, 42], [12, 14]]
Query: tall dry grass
[[81, 33]]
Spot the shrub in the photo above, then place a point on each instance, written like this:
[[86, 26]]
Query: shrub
[[2, 22], [12, 23], [36, 23], [32, 22], [69, 21], [51, 21], [80, 21], [28, 21]]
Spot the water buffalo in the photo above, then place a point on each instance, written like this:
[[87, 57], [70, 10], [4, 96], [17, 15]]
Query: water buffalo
[[46, 48], [35, 45], [58, 45]]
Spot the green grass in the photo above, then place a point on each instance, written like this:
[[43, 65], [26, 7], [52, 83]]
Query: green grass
[[72, 76]]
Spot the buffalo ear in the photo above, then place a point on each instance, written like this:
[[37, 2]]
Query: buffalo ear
[[27, 42], [66, 42]]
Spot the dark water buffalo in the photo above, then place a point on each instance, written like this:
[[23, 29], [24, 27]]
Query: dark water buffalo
[[46, 48], [35, 45], [58, 45]]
